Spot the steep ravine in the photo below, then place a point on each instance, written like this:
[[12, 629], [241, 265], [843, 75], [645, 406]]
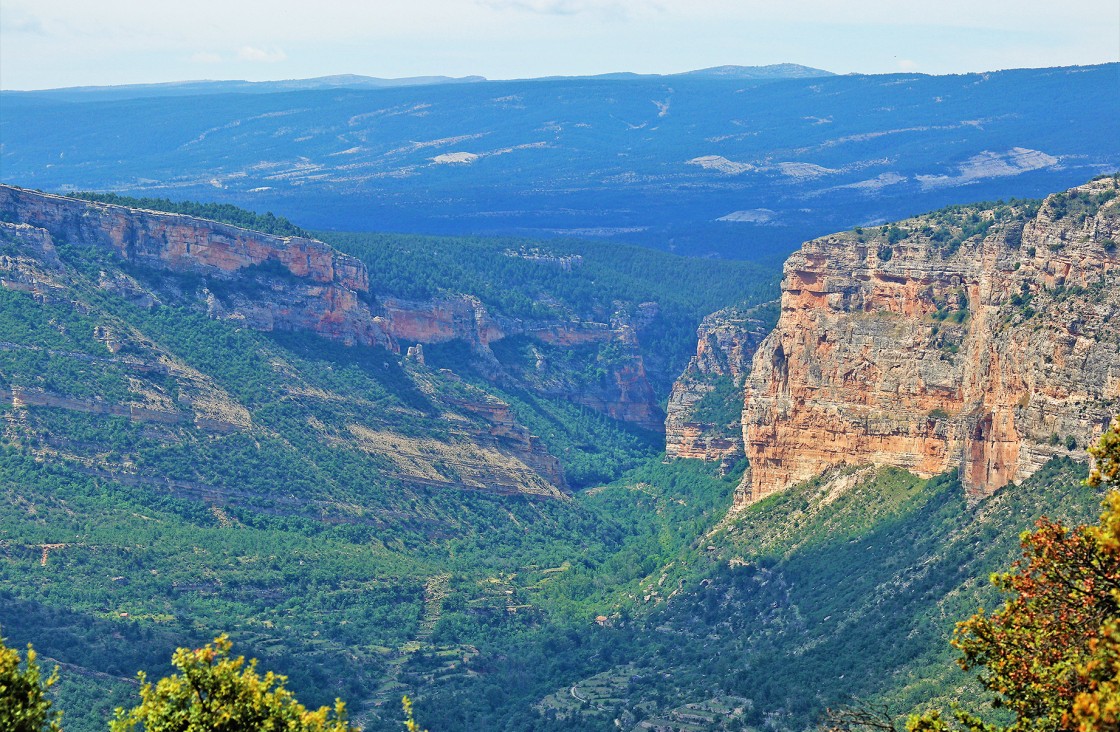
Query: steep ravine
[[976, 338]]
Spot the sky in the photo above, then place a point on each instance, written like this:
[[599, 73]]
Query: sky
[[56, 43]]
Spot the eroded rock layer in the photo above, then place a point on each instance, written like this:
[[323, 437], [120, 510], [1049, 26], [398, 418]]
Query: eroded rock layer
[[978, 339], [295, 283], [310, 285], [699, 422]]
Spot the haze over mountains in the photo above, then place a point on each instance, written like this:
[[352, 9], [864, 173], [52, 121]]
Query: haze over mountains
[[358, 81], [699, 163]]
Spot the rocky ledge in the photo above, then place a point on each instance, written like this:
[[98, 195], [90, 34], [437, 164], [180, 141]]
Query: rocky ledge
[[976, 338], [702, 419], [273, 282]]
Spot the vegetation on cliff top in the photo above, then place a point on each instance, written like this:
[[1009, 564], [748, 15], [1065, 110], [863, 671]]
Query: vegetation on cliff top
[[223, 212]]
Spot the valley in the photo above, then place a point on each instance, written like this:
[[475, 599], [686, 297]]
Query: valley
[[688, 401], [386, 471]]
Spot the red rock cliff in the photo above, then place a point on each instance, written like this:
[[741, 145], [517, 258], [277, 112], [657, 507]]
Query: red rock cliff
[[323, 290], [970, 339]]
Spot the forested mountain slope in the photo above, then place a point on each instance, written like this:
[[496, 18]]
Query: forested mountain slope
[[179, 458], [208, 428]]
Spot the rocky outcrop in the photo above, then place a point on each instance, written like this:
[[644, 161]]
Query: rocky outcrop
[[509, 434], [274, 283], [462, 318], [697, 424], [623, 392], [310, 285], [983, 340]]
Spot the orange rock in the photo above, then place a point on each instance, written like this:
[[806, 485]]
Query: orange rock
[[934, 361]]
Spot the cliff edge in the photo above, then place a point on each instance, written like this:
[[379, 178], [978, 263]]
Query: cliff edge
[[981, 338], [292, 283]]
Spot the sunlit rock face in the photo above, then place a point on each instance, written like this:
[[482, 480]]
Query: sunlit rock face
[[726, 343], [300, 284], [978, 339]]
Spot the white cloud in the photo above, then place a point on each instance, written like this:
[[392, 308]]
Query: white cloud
[[270, 55], [611, 8]]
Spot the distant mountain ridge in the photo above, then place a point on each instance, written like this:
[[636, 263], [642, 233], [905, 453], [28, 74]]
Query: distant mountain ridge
[[770, 71], [238, 86], [704, 164], [359, 81]]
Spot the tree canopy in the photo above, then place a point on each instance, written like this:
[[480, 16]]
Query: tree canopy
[[215, 692], [1051, 653], [24, 706]]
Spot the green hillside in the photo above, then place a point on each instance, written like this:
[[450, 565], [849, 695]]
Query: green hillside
[[167, 476], [806, 600], [363, 523]]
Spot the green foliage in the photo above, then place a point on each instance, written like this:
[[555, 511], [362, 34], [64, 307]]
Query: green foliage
[[722, 406], [1106, 454], [215, 692], [950, 227], [223, 212], [781, 599], [1079, 205], [1051, 652], [24, 706], [598, 283]]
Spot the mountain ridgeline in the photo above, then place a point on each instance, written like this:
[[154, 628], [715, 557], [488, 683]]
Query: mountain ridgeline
[[981, 338], [712, 163]]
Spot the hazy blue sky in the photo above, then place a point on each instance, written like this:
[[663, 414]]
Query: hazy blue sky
[[50, 43]]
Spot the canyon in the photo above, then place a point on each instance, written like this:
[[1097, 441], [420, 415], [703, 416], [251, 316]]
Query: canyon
[[980, 339]]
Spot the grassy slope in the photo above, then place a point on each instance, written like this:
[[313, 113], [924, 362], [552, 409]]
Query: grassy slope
[[798, 604]]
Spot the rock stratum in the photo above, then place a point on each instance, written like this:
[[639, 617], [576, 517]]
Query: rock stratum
[[73, 256], [979, 339], [466, 439], [298, 284], [700, 422]]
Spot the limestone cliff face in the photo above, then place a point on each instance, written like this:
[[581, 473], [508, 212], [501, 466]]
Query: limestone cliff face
[[970, 339], [726, 343], [624, 391], [311, 286], [462, 318], [296, 283]]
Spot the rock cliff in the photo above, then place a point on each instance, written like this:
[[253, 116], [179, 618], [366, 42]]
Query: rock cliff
[[293, 283], [703, 418], [312, 286], [983, 339], [467, 438]]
